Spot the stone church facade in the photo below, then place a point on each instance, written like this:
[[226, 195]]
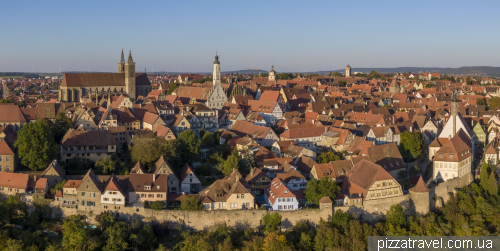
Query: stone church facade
[[75, 86]]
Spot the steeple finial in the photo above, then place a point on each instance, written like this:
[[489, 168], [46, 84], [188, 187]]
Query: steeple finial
[[123, 58], [216, 58], [130, 57]]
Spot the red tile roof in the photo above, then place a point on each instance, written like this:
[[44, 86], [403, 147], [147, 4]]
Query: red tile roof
[[420, 187], [14, 180], [5, 149]]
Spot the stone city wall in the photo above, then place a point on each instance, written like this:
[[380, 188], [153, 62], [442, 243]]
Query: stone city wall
[[201, 220]]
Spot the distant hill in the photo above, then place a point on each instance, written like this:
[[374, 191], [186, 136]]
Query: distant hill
[[244, 72], [466, 70]]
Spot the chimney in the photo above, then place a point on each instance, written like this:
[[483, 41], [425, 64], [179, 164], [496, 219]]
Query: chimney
[[154, 177], [74, 104], [34, 178], [251, 172]]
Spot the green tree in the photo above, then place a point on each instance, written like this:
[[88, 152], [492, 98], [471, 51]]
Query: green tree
[[229, 136], [247, 163], [414, 171], [411, 145], [480, 101], [271, 222], [232, 162], [494, 103], [429, 85], [275, 242], [208, 139], [217, 137], [74, 235], [202, 133], [468, 80], [326, 157], [487, 179], [148, 149], [172, 87], [147, 238], [284, 76], [341, 219], [189, 146], [77, 165], [191, 203], [61, 125], [317, 189], [105, 219], [335, 74], [57, 187], [4, 101], [36, 145], [12, 245], [116, 237], [157, 205], [396, 216], [109, 165]]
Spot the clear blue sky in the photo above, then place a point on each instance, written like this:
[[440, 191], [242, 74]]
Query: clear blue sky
[[294, 35]]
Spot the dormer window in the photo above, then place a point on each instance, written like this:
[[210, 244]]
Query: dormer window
[[284, 191]]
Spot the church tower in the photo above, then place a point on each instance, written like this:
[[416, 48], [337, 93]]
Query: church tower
[[5, 90], [348, 71], [216, 73], [130, 77], [394, 87], [454, 112], [121, 65], [217, 97], [272, 74]]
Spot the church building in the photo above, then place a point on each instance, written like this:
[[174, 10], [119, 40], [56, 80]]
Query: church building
[[75, 86], [217, 97], [453, 149]]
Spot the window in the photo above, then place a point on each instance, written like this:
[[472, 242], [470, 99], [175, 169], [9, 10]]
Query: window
[[8, 158], [1, 158], [440, 155], [450, 156], [84, 194]]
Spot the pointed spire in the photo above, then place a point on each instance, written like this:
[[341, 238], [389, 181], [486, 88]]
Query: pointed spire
[[130, 57], [123, 58]]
